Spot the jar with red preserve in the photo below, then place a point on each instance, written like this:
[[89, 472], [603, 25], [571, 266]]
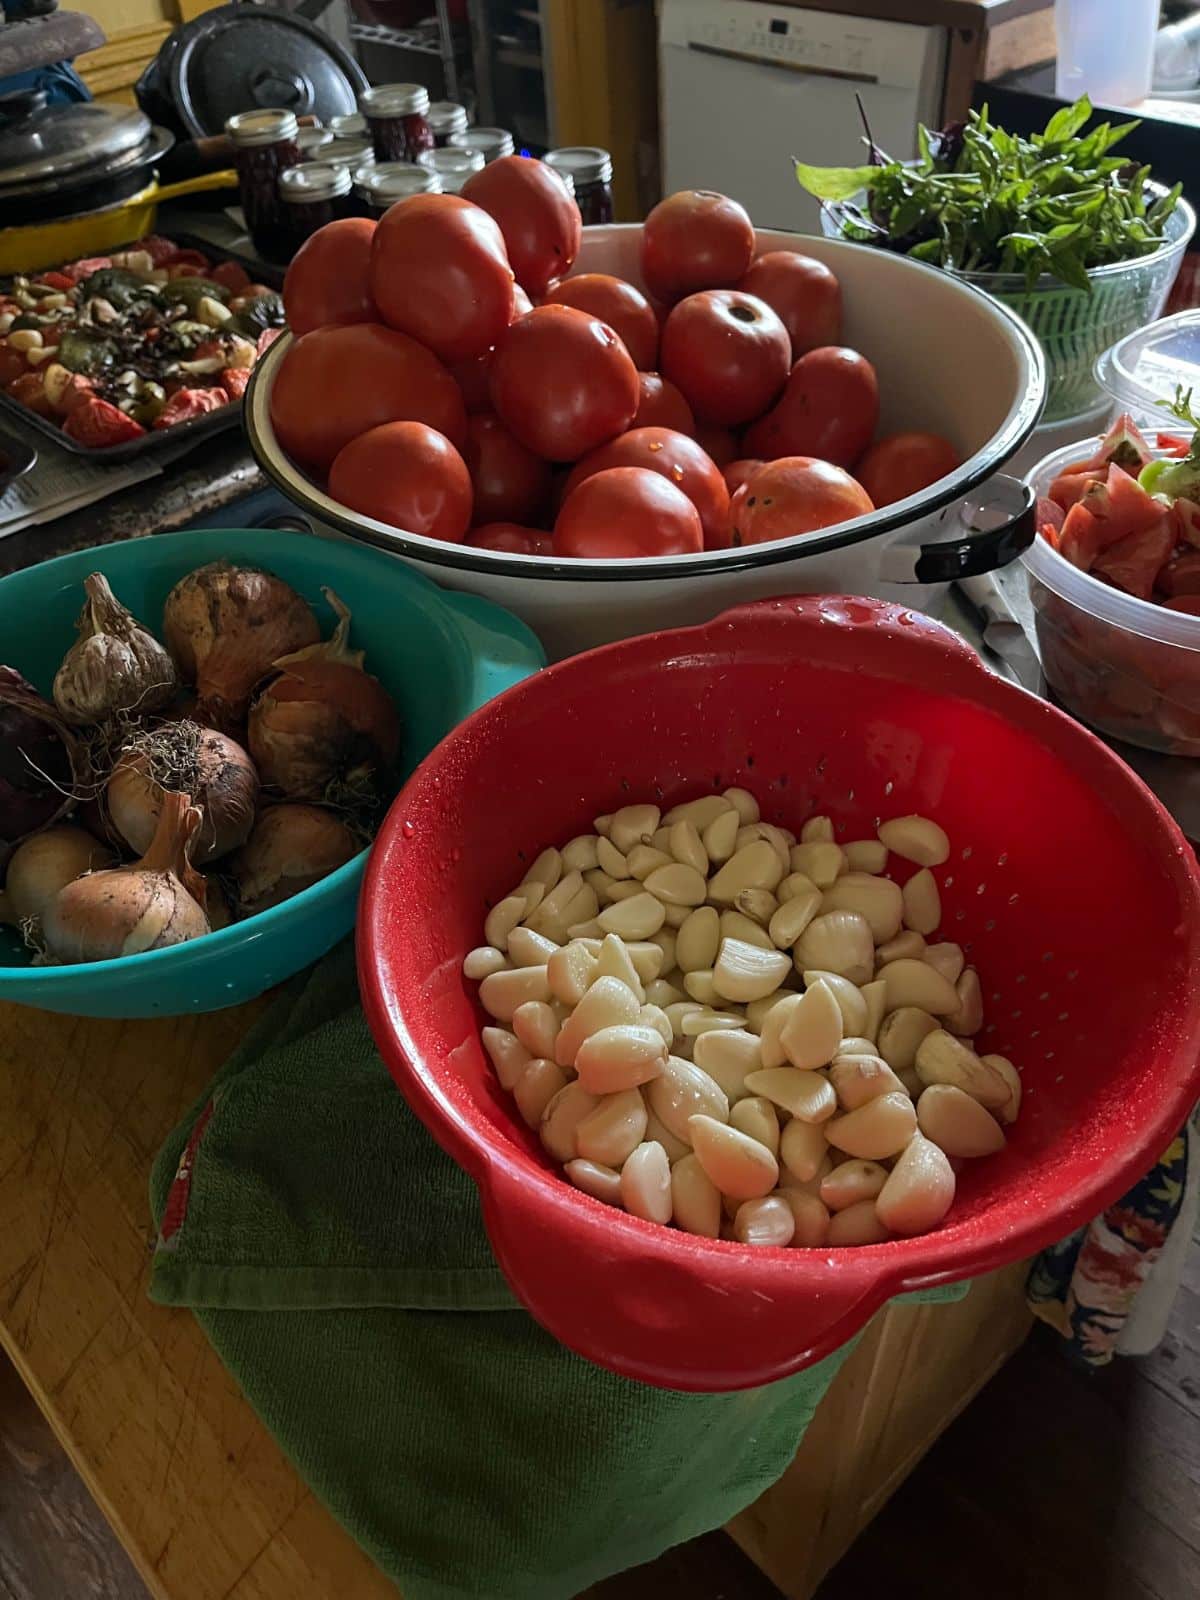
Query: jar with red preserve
[[314, 193], [591, 170], [396, 118], [264, 145]]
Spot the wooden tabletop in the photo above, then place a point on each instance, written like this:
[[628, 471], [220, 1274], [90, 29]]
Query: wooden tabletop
[[196, 1489]]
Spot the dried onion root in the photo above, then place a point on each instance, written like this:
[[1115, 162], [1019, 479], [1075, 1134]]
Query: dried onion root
[[213, 770]]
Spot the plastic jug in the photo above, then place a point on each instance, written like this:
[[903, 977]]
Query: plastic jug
[[1105, 50]]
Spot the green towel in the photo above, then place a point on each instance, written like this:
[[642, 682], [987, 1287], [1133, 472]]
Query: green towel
[[336, 1259]]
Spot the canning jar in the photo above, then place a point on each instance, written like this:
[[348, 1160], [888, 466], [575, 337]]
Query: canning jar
[[591, 168], [380, 186], [444, 118], [311, 141], [264, 145], [350, 152], [492, 143], [314, 193], [453, 167], [351, 126], [395, 114]]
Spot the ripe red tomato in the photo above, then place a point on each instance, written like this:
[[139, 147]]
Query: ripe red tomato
[[673, 456], [231, 275], [408, 475], [329, 279], [13, 364], [472, 378], [185, 405], [903, 463], [234, 381], [335, 383], [695, 239], [794, 495], [511, 483], [440, 273], [803, 293], [29, 390], [538, 218], [727, 353], [511, 538], [829, 409], [99, 425], [718, 443], [563, 382], [624, 308], [739, 472], [662, 406], [627, 511]]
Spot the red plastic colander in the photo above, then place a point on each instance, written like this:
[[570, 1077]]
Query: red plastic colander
[[1068, 884]]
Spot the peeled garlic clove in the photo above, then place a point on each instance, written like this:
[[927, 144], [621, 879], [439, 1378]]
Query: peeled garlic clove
[[646, 1184], [803, 1148], [967, 1018], [644, 859], [877, 900], [1002, 1065], [698, 940], [570, 971], [848, 995], [695, 1199], [601, 1182], [719, 836], [866, 855], [919, 1190], [636, 918], [633, 825], [809, 1032], [736, 925], [507, 1054], [810, 1219], [819, 860], [740, 1167], [875, 997], [758, 1011], [946, 958], [852, 1182], [561, 1119], [743, 972], [841, 942], [607, 1004], [956, 1123], [744, 803], [941, 1058], [854, 1045], [901, 1033], [728, 1055], [481, 962], [614, 962], [794, 914], [612, 862], [916, 839], [702, 987], [536, 1087], [707, 1021], [547, 868], [766, 1221], [502, 992], [677, 885], [805, 1095], [701, 812], [817, 830], [922, 903], [580, 855], [775, 837], [655, 1017], [612, 1131], [687, 846], [656, 1133], [754, 866], [913, 983], [905, 946], [877, 1130], [536, 1026], [502, 919], [620, 1057], [665, 939], [857, 1079], [529, 949], [759, 906], [755, 1117], [857, 1224], [682, 1091]]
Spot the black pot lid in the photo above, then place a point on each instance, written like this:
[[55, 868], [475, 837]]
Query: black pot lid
[[239, 57], [40, 142]]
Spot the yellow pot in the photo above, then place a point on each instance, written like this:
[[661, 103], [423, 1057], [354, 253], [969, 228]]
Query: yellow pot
[[35, 245]]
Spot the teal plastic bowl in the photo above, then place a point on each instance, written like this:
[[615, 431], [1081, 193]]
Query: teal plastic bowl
[[439, 655]]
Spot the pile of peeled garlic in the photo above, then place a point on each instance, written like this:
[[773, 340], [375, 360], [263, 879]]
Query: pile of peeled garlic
[[712, 1022]]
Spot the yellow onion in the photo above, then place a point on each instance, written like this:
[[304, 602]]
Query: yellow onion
[[114, 665], [42, 865], [42, 765], [158, 901], [291, 848], [214, 771], [324, 728], [225, 627]]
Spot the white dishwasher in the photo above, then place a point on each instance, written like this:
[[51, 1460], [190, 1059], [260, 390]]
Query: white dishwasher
[[747, 88]]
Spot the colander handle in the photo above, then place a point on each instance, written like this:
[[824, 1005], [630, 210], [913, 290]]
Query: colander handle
[[645, 1302], [999, 524]]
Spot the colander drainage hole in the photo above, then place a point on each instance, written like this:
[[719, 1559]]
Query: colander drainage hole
[[968, 851], [1002, 861], [888, 787]]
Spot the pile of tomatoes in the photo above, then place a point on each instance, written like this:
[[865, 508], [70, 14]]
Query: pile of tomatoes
[[449, 378]]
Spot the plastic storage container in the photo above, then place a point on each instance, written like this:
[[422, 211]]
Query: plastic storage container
[[1069, 883], [1105, 50], [439, 656]]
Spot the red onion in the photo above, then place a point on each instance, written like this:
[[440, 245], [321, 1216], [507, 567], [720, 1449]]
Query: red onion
[[41, 763]]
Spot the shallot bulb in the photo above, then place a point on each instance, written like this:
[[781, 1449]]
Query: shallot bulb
[[291, 848], [226, 626], [158, 901], [324, 728], [115, 664], [42, 765], [215, 772], [45, 863]]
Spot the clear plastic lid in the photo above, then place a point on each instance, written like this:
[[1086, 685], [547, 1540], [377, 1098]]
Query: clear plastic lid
[[1147, 366]]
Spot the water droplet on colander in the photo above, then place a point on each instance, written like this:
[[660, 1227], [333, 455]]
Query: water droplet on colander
[[906, 619], [408, 828]]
